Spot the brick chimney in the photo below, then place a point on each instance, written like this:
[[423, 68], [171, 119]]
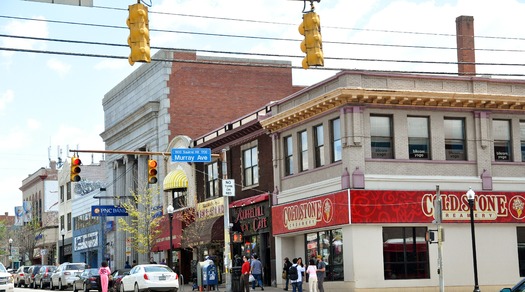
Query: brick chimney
[[465, 45]]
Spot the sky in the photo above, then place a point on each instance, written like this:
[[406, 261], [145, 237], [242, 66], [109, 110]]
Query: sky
[[51, 103]]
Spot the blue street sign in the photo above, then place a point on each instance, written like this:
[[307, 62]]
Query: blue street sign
[[190, 155], [108, 210]]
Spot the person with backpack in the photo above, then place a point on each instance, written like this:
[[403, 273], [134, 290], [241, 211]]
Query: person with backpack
[[294, 274], [286, 266]]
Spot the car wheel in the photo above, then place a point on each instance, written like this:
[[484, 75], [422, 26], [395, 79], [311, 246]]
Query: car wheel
[[60, 284], [51, 287], [75, 287], [85, 288], [42, 285], [136, 289], [122, 288]]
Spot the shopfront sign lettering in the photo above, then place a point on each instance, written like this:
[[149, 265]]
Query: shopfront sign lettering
[[307, 214], [252, 219], [210, 209]]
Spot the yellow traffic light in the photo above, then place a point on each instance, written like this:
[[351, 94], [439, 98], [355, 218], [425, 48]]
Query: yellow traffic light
[[152, 171], [75, 169], [138, 39], [312, 43]]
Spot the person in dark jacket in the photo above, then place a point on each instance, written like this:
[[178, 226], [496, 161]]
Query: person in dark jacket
[[287, 264]]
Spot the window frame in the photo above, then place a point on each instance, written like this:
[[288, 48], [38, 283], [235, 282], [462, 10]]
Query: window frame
[[313, 247], [419, 147], [212, 181], [288, 155], [522, 140], [336, 153], [453, 142], [250, 171], [376, 150], [302, 138], [318, 146], [503, 146]]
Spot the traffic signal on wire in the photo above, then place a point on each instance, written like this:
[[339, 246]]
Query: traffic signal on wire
[[312, 44], [152, 171], [75, 169], [138, 39]]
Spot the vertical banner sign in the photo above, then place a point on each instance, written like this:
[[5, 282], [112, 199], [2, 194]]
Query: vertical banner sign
[[228, 188]]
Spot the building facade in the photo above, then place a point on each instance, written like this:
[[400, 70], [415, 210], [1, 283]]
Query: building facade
[[357, 161]]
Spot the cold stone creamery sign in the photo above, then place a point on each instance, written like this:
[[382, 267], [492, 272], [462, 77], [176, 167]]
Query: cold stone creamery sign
[[317, 212], [418, 206]]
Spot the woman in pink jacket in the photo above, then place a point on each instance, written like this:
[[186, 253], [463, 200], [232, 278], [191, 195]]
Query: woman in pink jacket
[[104, 272]]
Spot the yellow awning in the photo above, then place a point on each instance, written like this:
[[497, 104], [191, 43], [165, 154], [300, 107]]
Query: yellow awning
[[176, 180]]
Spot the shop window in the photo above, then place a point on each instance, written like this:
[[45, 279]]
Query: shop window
[[319, 146], [288, 155], [179, 199], [501, 134], [418, 138], [381, 137], [405, 253], [303, 151], [212, 180], [329, 244], [522, 134], [250, 166], [335, 137], [455, 144], [521, 250]]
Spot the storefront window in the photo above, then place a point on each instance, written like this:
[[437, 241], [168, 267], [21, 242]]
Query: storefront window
[[405, 253], [521, 250], [329, 244]]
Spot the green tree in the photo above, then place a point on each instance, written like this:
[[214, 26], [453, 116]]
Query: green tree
[[143, 225]]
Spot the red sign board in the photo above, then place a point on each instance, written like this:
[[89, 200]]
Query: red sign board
[[317, 212], [418, 206]]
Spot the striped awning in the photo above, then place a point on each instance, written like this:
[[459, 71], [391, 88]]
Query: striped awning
[[176, 180]]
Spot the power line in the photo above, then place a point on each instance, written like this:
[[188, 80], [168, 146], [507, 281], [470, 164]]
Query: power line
[[262, 37]]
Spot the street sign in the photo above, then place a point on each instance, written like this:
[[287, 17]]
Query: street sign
[[190, 155], [228, 188], [109, 210]]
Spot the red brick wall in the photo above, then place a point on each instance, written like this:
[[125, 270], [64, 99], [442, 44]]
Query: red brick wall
[[206, 96]]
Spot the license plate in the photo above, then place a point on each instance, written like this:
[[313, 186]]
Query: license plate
[[162, 278]]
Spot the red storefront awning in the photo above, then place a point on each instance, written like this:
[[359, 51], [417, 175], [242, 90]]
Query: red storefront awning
[[163, 241], [249, 200]]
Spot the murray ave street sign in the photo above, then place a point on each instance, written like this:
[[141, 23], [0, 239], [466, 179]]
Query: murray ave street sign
[[190, 155]]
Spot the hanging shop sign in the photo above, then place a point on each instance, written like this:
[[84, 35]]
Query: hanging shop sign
[[370, 206], [316, 212]]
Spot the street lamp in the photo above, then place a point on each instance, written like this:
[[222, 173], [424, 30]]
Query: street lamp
[[10, 251], [170, 211], [63, 233], [470, 196]]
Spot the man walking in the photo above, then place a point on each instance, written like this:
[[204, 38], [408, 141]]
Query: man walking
[[257, 269], [321, 272], [286, 266]]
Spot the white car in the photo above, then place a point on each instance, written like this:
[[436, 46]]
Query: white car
[[150, 277], [65, 275], [7, 282]]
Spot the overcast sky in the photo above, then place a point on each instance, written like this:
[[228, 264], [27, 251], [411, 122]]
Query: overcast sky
[[52, 103]]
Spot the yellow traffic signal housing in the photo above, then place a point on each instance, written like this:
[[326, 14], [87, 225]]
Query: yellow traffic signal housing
[[152, 171], [75, 169], [138, 39], [312, 44]]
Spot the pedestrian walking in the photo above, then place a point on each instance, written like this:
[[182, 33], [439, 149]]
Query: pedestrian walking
[[286, 266], [245, 277], [295, 276], [104, 272], [321, 273], [256, 270], [127, 265], [311, 271]]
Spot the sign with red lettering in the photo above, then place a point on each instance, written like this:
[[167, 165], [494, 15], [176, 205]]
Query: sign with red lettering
[[317, 212], [418, 207]]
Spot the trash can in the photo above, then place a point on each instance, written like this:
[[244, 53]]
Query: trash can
[[236, 279]]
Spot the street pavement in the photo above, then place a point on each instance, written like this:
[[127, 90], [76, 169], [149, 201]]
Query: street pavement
[[188, 288]]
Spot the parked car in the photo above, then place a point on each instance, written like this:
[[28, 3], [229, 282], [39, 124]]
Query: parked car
[[7, 282], [150, 277], [19, 276], [89, 279], [30, 275], [517, 288], [66, 274], [43, 277], [116, 278]]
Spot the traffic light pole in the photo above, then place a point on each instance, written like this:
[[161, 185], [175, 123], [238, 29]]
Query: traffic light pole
[[227, 254]]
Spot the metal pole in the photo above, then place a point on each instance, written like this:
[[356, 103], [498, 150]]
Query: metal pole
[[227, 254], [62, 250], [439, 218], [170, 254], [474, 257]]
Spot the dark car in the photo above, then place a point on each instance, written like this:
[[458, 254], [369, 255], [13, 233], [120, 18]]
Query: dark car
[[89, 279], [115, 279], [19, 277], [43, 277], [520, 287], [30, 275]]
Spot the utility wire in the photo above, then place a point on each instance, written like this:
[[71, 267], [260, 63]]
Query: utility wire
[[266, 55], [259, 37], [247, 64]]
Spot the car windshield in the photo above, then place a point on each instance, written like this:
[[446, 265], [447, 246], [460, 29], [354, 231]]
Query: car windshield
[[93, 271], [2, 269], [75, 267], [157, 269]]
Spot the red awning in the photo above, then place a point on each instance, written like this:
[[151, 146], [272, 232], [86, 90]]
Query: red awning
[[163, 240], [249, 200]]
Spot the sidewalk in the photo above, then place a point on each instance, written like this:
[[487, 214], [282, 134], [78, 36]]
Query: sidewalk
[[188, 288]]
